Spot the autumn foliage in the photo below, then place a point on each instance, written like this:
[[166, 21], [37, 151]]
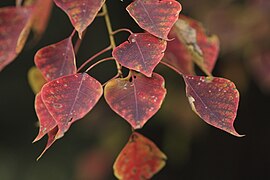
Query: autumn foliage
[[65, 93]]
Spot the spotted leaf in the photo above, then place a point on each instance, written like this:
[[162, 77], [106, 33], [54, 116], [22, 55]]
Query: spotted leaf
[[214, 99], [70, 98], [156, 16], [141, 53], [81, 12], [56, 60], [46, 121], [14, 28], [201, 48], [136, 98], [140, 159]]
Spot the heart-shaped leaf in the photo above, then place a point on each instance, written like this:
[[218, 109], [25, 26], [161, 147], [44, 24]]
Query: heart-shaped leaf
[[46, 121], [214, 99], [156, 16], [139, 159], [70, 98], [203, 49], [56, 60], [142, 53], [136, 98], [81, 12], [13, 32]]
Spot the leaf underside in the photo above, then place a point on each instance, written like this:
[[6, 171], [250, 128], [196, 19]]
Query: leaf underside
[[193, 45], [140, 159], [135, 98]]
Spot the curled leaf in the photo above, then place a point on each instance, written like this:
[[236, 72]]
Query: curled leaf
[[156, 16], [141, 53], [56, 60], [215, 100], [81, 12], [70, 98], [140, 159], [195, 45], [136, 98]]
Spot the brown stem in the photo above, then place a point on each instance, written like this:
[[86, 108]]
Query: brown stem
[[94, 56], [100, 61], [122, 30], [170, 66]]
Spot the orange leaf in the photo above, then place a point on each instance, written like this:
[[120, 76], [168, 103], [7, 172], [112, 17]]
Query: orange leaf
[[139, 160]]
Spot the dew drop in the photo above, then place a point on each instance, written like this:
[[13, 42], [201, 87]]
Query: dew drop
[[133, 40]]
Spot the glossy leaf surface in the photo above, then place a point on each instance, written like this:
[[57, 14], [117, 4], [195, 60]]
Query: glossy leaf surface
[[141, 53], [156, 16], [215, 100], [203, 49], [35, 79], [81, 12], [140, 159], [46, 121], [13, 26], [56, 60], [136, 101], [70, 98]]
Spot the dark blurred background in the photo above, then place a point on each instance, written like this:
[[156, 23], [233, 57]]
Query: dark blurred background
[[195, 150]]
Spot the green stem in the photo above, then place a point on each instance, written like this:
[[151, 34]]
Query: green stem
[[110, 31]]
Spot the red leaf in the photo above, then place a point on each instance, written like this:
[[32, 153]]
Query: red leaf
[[194, 45], [136, 101], [178, 55], [209, 44], [51, 139], [214, 99], [81, 12], [56, 60], [156, 16], [70, 98], [41, 15], [140, 159], [142, 53], [13, 25], [46, 121]]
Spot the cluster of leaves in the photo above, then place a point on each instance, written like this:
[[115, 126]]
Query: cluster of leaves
[[68, 95]]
